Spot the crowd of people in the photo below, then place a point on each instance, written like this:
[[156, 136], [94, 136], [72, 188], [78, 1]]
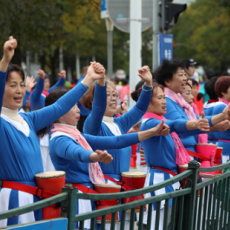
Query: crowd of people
[[48, 137]]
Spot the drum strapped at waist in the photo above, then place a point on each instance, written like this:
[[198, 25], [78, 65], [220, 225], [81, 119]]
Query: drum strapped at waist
[[125, 187]]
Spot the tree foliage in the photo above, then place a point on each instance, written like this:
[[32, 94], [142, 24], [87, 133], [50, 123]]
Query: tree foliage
[[43, 26], [202, 33]]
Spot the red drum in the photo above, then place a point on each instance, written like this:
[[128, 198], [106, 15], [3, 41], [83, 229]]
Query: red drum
[[217, 159], [52, 181], [136, 180], [208, 151], [107, 188]]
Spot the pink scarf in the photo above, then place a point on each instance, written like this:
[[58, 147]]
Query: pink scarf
[[182, 156], [95, 173], [195, 109], [224, 101], [178, 98]]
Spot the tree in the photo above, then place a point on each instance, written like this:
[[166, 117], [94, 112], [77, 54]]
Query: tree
[[202, 33]]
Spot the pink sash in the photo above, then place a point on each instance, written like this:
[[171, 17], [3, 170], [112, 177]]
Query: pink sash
[[95, 173]]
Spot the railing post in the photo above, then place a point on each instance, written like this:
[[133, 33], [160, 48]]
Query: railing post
[[69, 207], [190, 199]]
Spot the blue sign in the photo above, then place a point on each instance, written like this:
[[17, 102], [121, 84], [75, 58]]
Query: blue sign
[[103, 5], [165, 47], [104, 12]]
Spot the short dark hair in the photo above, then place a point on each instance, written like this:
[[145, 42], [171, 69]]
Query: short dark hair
[[194, 82], [136, 94], [222, 85], [210, 88], [16, 68], [165, 72]]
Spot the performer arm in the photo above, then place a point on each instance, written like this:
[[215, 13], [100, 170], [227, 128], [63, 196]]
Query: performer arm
[[50, 114], [93, 122], [118, 142], [60, 82], [45, 116], [67, 148], [36, 94], [130, 118]]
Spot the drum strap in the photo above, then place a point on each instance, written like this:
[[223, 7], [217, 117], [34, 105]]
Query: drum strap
[[197, 155], [84, 188], [125, 187], [165, 170], [26, 188]]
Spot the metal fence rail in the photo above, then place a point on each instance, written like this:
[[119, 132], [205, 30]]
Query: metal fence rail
[[200, 206]]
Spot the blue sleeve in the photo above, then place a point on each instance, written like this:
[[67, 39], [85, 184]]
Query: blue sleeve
[[2, 87], [44, 117], [174, 112], [59, 83], [25, 98], [130, 118], [93, 122], [178, 126], [112, 142], [36, 94], [67, 148]]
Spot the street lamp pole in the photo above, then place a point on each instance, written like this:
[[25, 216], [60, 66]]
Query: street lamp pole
[[109, 28]]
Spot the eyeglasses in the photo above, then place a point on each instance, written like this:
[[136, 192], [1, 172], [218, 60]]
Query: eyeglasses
[[112, 96]]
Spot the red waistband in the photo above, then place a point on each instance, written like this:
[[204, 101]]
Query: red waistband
[[26, 188], [197, 155], [224, 140], [84, 188], [165, 170]]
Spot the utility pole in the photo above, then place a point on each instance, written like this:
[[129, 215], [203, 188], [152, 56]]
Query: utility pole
[[135, 43], [155, 34], [109, 28]]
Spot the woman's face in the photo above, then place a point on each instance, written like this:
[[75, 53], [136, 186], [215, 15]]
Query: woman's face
[[177, 83], [194, 90], [226, 95], [14, 91], [187, 95], [47, 84], [111, 100], [158, 103], [72, 117]]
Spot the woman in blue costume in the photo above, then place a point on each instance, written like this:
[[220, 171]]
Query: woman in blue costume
[[70, 154], [163, 161], [172, 76], [216, 87], [102, 101], [20, 153]]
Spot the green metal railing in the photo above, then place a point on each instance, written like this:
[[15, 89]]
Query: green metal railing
[[199, 206]]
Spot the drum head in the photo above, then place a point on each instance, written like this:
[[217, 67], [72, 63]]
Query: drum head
[[133, 174], [51, 174], [205, 144], [108, 185]]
